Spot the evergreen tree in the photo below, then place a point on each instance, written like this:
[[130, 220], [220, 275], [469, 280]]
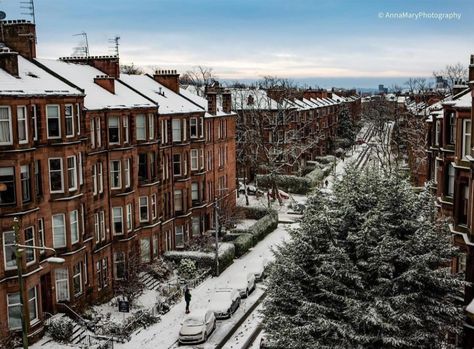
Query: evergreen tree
[[367, 268], [345, 126]]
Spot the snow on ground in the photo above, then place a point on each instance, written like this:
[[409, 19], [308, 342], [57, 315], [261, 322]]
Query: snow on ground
[[245, 223], [245, 330], [164, 334]]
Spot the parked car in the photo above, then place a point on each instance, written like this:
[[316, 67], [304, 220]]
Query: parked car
[[244, 283], [251, 189], [258, 269], [197, 326], [224, 302]]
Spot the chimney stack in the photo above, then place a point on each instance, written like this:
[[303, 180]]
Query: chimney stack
[[168, 78], [9, 61], [109, 65], [227, 102], [211, 97], [20, 36], [106, 82]]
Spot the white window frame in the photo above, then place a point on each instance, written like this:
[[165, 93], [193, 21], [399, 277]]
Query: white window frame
[[98, 132], [94, 179], [74, 225], [117, 118], [179, 231], [96, 227], [61, 283], [195, 191], [59, 121], [102, 225], [126, 130], [12, 233], [41, 235], [141, 128], [23, 120], [34, 298], [466, 134], [151, 127], [140, 209], [80, 169], [10, 129], [120, 217], [178, 193], [196, 133], [451, 176], [92, 128], [71, 117], [62, 175], [154, 207], [176, 130], [100, 177], [34, 118], [64, 230], [194, 159], [30, 242], [127, 173], [119, 174], [74, 173], [129, 217], [78, 116], [74, 275], [13, 305]]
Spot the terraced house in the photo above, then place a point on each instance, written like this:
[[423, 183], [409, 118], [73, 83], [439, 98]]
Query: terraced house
[[451, 158], [104, 168]]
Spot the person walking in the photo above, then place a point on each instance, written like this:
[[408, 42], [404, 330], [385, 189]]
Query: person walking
[[187, 298], [326, 182]]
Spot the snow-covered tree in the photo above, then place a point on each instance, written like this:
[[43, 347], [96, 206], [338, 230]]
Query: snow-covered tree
[[367, 268], [346, 128]]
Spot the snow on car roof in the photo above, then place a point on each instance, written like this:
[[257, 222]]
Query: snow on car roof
[[196, 314]]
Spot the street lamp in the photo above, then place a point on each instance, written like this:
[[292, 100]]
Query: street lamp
[[19, 249]]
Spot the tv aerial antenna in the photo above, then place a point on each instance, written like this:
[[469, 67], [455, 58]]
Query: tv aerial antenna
[[82, 49], [29, 9], [115, 42]]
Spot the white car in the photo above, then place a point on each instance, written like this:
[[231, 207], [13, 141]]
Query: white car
[[197, 326], [258, 269], [224, 302], [244, 283]]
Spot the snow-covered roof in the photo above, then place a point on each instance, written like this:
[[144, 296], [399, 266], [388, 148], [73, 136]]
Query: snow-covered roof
[[97, 97], [190, 94], [261, 100], [463, 102], [33, 81], [168, 101]]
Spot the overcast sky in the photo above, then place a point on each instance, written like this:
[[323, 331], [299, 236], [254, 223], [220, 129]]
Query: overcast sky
[[252, 38]]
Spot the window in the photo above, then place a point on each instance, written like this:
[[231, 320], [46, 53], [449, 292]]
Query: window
[[143, 208], [466, 146], [142, 167], [14, 311], [450, 180], [78, 114], [72, 173], [38, 182], [127, 173], [155, 246], [145, 250], [53, 121], [176, 130], [178, 200], [202, 127], [96, 227], [9, 250], [462, 263], [59, 231], [125, 129], [100, 177], [195, 192], [30, 241], [74, 223], [451, 127], [69, 119], [152, 162], [129, 217], [41, 234], [105, 274], [34, 117], [193, 128], [118, 220], [77, 279], [179, 236], [201, 155], [154, 208], [22, 124], [185, 163], [119, 265], [196, 225], [102, 225], [92, 133], [98, 132], [33, 304], [151, 127], [62, 284], [79, 165], [437, 131], [140, 125], [194, 160], [94, 179], [5, 126], [185, 130], [115, 175], [177, 164], [86, 281], [114, 130], [99, 275], [56, 175], [25, 183]]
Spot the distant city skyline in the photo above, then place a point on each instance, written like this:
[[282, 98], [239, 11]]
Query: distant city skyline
[[364, 41]]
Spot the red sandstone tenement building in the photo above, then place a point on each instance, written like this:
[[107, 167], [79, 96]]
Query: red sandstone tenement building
[[450, 158], [102, 167]]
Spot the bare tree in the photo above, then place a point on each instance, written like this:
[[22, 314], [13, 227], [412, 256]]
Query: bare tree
[[200, 77], [453, 73], [131, 69], [131, 285]]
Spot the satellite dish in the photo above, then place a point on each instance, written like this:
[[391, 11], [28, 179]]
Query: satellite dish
[[2, 15]]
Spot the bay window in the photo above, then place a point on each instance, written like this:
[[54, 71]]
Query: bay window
[[143, 200], [22, 124], [56, 175], [7, 177], [117, 217], [114, 130], [29, 241], [9, 256], [466, 139], [179, 236], [74, 224], [71, 173], [178, 200], [140, 127], [25, 183], [59, 231], [53, 123], [119, 265], [194, 160], [61, 276], [115, 174], [5, 126], [69, 119], [14, 311], [176, 130], [77, 279]]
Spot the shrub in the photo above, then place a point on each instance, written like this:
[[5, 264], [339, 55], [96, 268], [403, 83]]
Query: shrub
[[252, 212], [229, 237], [61, 329], [187, 268], [291, 184], [205, 260], [264, 226], [243, 243]]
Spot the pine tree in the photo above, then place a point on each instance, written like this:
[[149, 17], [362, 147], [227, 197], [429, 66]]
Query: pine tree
[[367, 268], [345, 126]]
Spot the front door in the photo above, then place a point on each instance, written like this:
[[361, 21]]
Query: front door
[[46, 294]]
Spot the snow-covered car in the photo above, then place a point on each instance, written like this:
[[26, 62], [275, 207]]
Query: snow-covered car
[[251, 189], [244, 283], [258, 269], [224, 302], [197, 326]]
